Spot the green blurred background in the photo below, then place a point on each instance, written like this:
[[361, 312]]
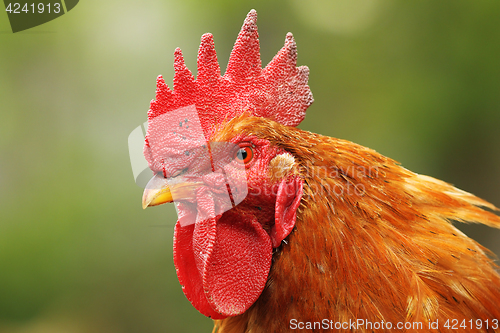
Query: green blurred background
[[417, 81]]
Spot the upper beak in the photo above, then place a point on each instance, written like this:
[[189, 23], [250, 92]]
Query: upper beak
[[158, 192]]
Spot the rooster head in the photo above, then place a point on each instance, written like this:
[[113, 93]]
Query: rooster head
[[236, 193]]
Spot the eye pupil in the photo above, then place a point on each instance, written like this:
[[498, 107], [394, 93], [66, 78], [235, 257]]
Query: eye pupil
[[242, 154]]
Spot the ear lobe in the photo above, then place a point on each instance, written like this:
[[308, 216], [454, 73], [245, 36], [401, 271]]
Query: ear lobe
[[287, 202]]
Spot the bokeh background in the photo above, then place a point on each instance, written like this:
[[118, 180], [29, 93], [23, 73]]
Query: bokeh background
[[417, 81]]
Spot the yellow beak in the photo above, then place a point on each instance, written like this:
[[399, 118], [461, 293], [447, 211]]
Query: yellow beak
[[157, 191]]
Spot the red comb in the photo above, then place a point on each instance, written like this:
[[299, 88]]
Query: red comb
[[278, 92]]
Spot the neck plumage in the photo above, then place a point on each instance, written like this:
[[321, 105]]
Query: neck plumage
[[374, 242]]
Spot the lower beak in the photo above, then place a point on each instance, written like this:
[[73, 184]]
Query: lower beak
[[158, 192]]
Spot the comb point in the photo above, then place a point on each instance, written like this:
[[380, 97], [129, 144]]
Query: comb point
[[178, 59], [161, 86], [182, 74], [284, 62], [208, 66], [163, 92], [244, 62], [184, 83]]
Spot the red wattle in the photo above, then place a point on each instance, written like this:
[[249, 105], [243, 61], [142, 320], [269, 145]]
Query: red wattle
[[222, 264], [236, 272], [187, 273]]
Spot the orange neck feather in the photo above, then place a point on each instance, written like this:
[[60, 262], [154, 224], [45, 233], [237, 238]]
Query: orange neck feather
[[372, 241]]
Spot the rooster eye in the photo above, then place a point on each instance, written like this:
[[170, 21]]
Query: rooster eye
[[244, 154]]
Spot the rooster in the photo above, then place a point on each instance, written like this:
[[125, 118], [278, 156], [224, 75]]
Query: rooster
[[314, 232]]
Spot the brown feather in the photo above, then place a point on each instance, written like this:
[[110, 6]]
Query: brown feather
[[372, 241]]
